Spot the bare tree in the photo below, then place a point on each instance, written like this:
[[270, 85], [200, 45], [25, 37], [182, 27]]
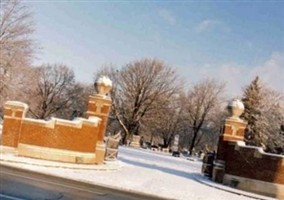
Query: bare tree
[[137, 86], [273, 112], [54, 90], [16, 46], [274, 131], [78, 103], [166, 120], [199, 103], [209, 133]]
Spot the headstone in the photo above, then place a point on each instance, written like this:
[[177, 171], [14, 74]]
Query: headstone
[[135, 141], [175, 149]]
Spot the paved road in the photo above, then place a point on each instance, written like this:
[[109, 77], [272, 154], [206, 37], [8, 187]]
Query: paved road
[[19, 184]]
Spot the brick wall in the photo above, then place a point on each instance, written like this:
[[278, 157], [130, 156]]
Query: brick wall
[[80, 135], [252, 162], [58, 139], [247, 161], [246, 167]]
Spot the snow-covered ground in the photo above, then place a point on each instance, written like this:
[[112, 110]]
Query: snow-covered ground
[[147, 172]]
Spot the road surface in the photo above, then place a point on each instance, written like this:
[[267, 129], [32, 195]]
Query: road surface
[[19, 184]]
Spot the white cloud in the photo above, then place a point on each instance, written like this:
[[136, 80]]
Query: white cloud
[[237, 76], [208, 24], [272, 71], [167, 16]]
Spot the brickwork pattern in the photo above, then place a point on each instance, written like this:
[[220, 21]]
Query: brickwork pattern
[[249, 163], [61, 136]]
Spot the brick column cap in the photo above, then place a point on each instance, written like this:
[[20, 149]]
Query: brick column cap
[[98, 97], [16, 105], [235, 120]]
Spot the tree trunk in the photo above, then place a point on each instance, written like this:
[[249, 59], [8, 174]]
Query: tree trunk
[[133, 129], [167, 140], [193, 142], [124, 139], [166, 144]]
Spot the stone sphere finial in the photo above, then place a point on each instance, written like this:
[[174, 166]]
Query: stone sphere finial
[[236, 108], [103, 85]]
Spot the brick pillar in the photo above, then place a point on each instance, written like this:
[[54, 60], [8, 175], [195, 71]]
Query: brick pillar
[[233, 130], [99, 105], [14, 112]]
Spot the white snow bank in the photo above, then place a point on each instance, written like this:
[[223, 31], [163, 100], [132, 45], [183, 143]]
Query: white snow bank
[[153, 173]]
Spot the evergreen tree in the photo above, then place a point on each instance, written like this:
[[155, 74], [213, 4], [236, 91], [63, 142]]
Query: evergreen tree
[[265, 117], [252, 100]]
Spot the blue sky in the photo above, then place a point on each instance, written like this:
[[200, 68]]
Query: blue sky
[[230, 41]]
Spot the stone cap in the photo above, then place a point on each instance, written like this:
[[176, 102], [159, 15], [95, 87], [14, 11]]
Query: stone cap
[[16, 105], [103, 85], [76, 123]]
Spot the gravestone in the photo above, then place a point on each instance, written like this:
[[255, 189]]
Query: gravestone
[[175, 150], [135, 141]]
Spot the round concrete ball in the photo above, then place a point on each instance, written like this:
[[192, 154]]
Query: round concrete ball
[[236, 108], [103, 85]]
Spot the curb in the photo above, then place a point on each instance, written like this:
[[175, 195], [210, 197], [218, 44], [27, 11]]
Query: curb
[[207, 182], [8, 157], [104, 167]]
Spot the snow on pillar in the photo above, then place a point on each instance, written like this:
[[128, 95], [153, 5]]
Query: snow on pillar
[[99, 105], [233, 130]]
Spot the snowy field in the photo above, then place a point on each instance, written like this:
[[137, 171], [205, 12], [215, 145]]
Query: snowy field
[[149, 172]]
